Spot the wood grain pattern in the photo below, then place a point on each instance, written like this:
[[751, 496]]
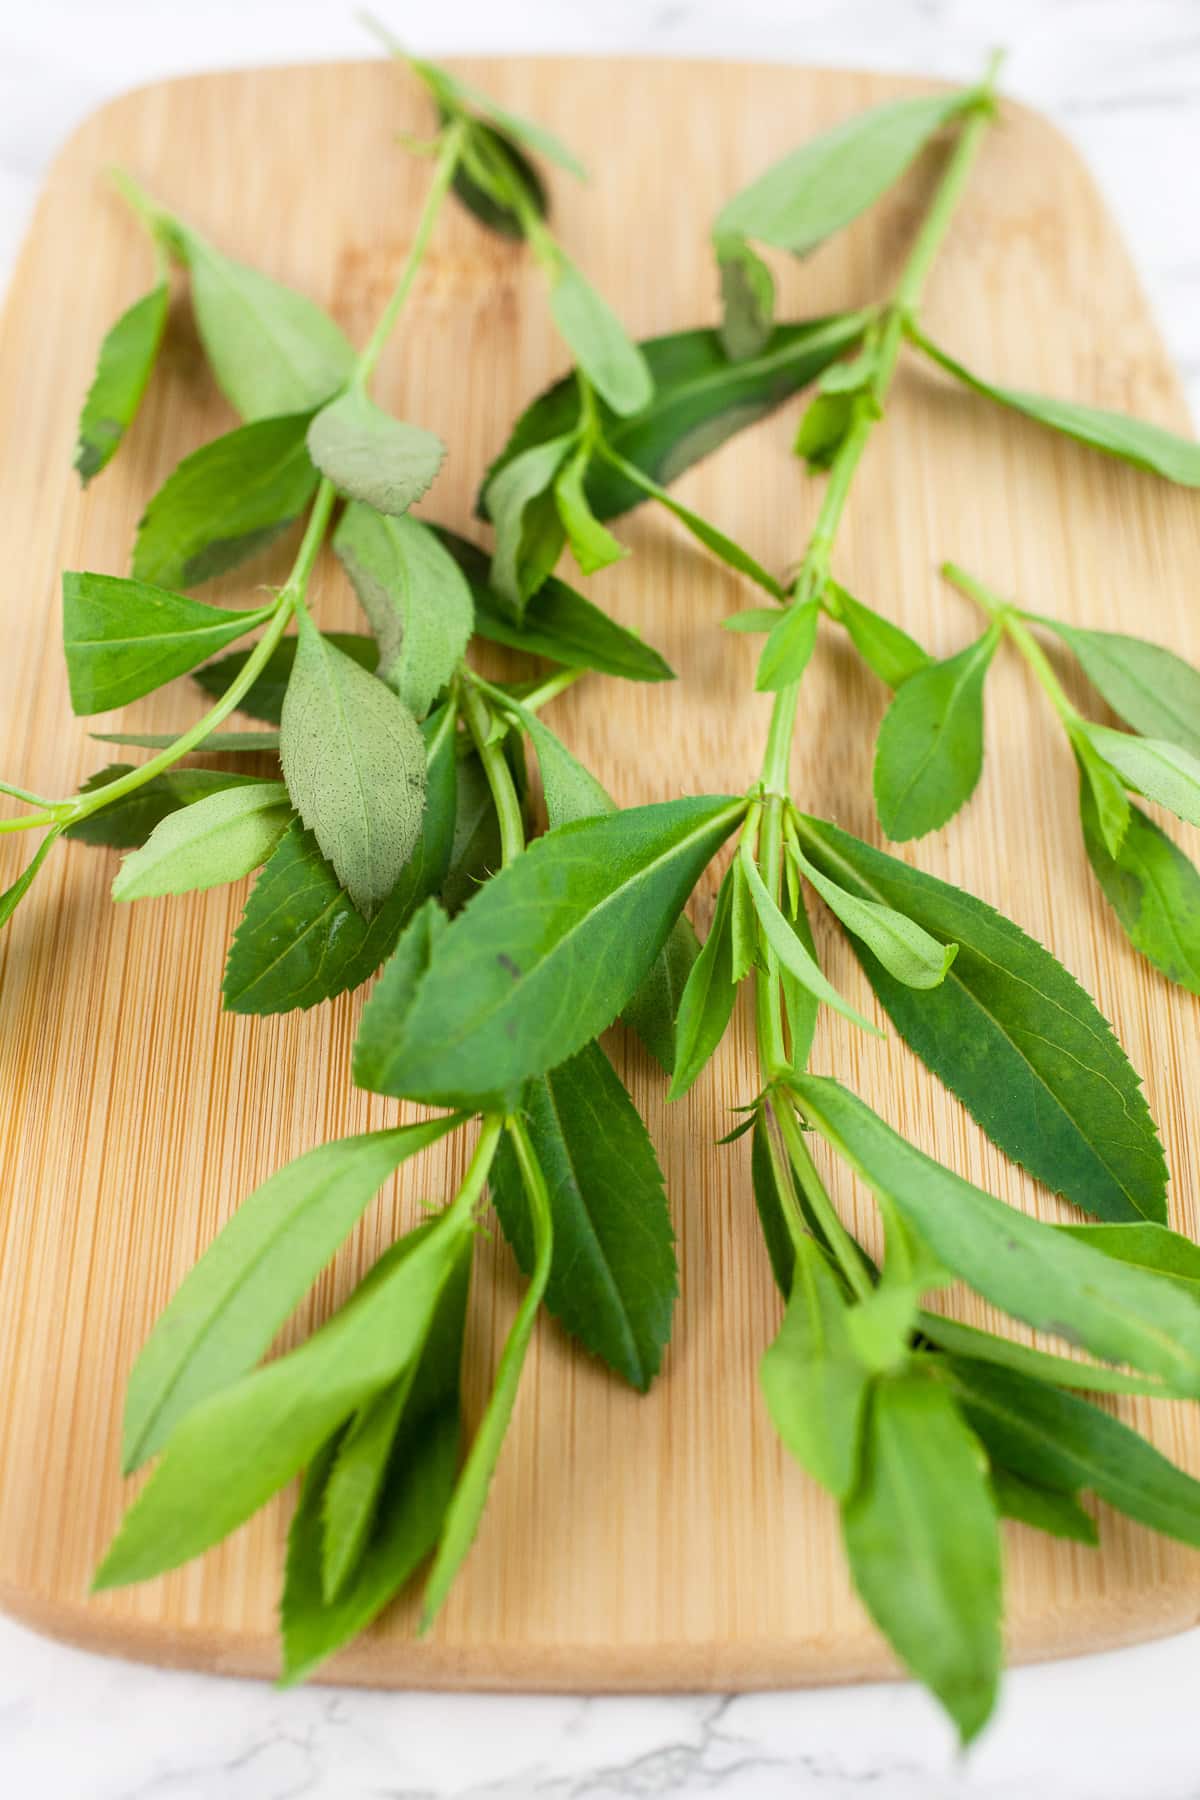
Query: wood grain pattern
[[653, 1543]]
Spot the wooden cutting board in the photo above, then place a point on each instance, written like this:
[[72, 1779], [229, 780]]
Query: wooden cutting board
[[663, 1542]]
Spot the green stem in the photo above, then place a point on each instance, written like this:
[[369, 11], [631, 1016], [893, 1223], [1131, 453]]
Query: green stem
[[19, 793], [495, 766], [479, 1167], [551, 688], [1004, 614], [443, 175], [840, 1241], [29, 822]]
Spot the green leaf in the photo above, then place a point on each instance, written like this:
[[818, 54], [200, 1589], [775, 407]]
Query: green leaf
[[707, 1001], [545, 956], [904, 948], [470, 1494], [128, 821], [352, 1490], [602, 347], [819, 188], [452, 89], [225, 502], [1120, 1313], [923, 1542], [1045, 1509], [485, 196], [217, 743], [1042, 1365], [890, 652], [592, 545], [791, 952], [1012, 1033], [747, 298], [823, 427], [475, 846], [752, 619], [265, 698], [558, 623], [215, 840], [613, 1277], [1109, 810], [529, 533], [271, 349], [415, 597], [731, 554], [1062, 1441], [232, 1451], [743, 926], [122, 639], [768, 1175], [1152, 689], [123, 369], [13, 895], [301, 939], [1134, 441], [787, 651], [814, 1383], [800, 1004], [409, 1505], [370, 456], [929, 752], [1151, 766], [570, 791], [701, 398], [222, 1317], [1147, 1246], [354, 764], [652, 1011]]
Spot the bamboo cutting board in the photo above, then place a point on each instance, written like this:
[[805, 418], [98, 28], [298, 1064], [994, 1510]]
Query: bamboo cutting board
[[629, 1543]]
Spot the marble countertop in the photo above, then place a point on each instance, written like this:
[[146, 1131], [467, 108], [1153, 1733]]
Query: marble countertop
[[1124, 81]]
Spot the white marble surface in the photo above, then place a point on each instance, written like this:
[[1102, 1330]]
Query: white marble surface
[[1123, 78]]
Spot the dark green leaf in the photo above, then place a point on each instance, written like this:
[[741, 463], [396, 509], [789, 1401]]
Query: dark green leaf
[[129, 820], [1062, 1441], [827, 182], [354, 764], [1121, 1313], [415, 597], [768, 1176], [929, 752], [546, 954], [476, 186], [301, 939], [217, 839], [558, 623], [222, 1317], [235, 1449], [1012, 1033], [1152, 689], [1045, 1509], [892, 654], [1109, 808], [123, 369], [122, 639], [410, 1504], [613, 1278], [475, 847], [370, 456], [271, 349], [1134, 441], [747, 298], [815, 1385], [265, 698], [922, 1537], [707, 1001], [225, 502], [529, 533], [609, 358], [701, 398]]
